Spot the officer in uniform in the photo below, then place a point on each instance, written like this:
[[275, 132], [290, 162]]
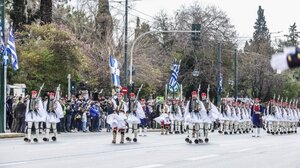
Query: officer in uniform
[[256, 114]]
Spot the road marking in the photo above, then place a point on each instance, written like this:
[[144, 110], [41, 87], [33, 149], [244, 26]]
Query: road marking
[[128, 150], [10, 164], [201, 157], [150, 166], [242, 150]]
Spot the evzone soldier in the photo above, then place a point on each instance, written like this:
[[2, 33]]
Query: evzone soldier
[[134, 114], [230, 119], [54, 109], [284, 121], [223, 116], [235, 117], [256, 114], [192, 118], [117, 120], [245, 118], [34, 114], [164, 119], [248, 117], [175, 117], [296, 118], [181, 122], [270, 118], [227, 117], [205, 112]]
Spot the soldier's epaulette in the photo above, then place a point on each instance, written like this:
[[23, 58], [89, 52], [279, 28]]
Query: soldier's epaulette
[[293, 59]]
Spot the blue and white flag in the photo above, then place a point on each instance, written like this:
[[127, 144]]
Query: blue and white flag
[[115, 71], [220, 88], [174, 76], [2, 46], [11, 48]]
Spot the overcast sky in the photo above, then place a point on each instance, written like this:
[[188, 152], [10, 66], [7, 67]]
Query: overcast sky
[[279, 14]]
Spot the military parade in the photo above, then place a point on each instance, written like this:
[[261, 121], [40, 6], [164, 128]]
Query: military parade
[[197, 116], [149, 84]]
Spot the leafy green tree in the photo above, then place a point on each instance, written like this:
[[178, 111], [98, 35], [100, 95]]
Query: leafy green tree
[[293, 37], [47, 54]]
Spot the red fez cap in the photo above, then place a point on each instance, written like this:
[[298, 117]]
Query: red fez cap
[[51, 95], [33, 94], [132, 95]]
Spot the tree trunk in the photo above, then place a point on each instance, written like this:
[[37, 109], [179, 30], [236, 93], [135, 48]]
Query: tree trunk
[[18, 14], [46, 11]]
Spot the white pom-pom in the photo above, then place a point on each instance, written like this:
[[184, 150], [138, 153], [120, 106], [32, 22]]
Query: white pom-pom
[[279, 61]]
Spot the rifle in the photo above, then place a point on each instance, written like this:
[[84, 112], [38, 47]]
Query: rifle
[[40, 90], [57, 93], [207, 99], [199, 88], [137, 95]]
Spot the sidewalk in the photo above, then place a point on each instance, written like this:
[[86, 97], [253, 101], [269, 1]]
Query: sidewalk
[[11, 135]]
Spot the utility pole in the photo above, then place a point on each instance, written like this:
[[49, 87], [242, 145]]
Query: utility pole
[[126, 42], [235, 74], [2, 69], [219, 76]]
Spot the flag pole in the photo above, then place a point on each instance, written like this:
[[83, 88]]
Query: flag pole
[[2, 88], [5, 84]]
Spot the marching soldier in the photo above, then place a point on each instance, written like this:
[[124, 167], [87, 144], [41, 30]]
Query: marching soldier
[[192, 118], [34, 114], [205, 113], [164, 119], [117, 120], [54, 109], [133, 116]]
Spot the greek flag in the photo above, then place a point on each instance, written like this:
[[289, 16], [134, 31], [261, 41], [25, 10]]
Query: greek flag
[[220, 84], [115, 71], [2, 46], [174, 76], [11, 48]]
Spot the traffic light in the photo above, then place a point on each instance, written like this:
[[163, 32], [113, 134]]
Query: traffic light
[[196, 35], [73, 87]]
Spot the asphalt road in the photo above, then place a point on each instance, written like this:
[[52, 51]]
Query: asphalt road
[[94, 150]]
